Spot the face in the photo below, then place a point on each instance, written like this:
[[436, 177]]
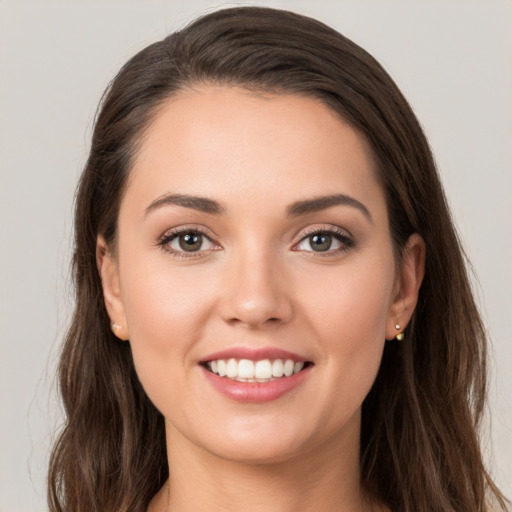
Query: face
[[253, 239]]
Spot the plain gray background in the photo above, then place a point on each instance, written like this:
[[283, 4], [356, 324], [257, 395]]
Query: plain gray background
[[453, 61]]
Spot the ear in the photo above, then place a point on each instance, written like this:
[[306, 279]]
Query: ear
[[108, 270], [408, 281]]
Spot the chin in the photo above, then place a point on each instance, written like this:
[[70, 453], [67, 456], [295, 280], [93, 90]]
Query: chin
[[256, 440], [257, 452]]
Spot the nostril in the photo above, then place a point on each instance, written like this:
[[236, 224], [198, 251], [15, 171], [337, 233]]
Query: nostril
[[254, 323]]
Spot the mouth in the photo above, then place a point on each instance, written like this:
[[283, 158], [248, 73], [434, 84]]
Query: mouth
[[256, 375], [259, 371]]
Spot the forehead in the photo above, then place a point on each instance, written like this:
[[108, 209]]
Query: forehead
[[234, 143]]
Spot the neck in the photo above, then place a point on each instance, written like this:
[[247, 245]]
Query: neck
[[325, 478]]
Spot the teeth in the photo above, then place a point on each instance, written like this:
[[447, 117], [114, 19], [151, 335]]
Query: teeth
[[232, 369], [277, 368], [221, 368], [288, 367], [245, 370], [262, 369]]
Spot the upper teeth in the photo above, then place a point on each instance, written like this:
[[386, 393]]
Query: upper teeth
[[247, 370]]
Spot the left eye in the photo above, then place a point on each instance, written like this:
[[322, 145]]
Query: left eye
[[322, 242], [189, 241]]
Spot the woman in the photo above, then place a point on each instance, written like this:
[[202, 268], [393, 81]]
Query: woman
[[273, 311]]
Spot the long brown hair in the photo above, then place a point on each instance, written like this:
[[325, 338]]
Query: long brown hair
[[419, 444]]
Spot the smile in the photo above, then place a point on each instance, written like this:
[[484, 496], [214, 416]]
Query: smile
[[246, 370], [255, 375]]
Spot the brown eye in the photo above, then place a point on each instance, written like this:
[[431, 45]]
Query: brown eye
[[187, 241], [320, 242], [190, 242], [331, 241]]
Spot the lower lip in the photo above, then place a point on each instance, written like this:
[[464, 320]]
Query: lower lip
[[255, 392]]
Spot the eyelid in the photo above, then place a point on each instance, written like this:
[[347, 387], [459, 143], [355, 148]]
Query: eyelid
[[315, 228], [325, 228], [171, 234], [188, 227], [341, 234]]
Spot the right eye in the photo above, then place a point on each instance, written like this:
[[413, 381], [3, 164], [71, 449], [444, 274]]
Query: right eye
[[186, 243]]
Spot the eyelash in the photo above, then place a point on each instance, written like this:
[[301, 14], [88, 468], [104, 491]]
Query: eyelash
[[171, 235], [337, 233]]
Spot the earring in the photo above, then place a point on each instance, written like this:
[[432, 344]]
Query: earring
[[400, 335], [114, 327]]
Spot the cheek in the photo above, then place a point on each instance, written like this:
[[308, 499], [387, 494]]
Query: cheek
[[349, 316], [159, 299], [165, 314], [353, 299]]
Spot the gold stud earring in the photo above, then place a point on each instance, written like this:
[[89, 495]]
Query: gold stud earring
[[400, 335]]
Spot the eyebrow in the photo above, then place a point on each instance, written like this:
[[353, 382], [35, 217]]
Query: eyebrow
[[320, 203], [201, 204], [296, 209]]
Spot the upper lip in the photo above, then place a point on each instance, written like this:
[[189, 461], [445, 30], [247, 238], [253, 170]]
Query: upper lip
[[254, 354]]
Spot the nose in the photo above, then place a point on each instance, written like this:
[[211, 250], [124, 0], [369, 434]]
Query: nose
[[256, 294]]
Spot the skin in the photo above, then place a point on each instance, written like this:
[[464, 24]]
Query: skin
[[257, 282]]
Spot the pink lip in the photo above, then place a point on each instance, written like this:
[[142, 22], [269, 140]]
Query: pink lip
[[255, 392], [253, 354]]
